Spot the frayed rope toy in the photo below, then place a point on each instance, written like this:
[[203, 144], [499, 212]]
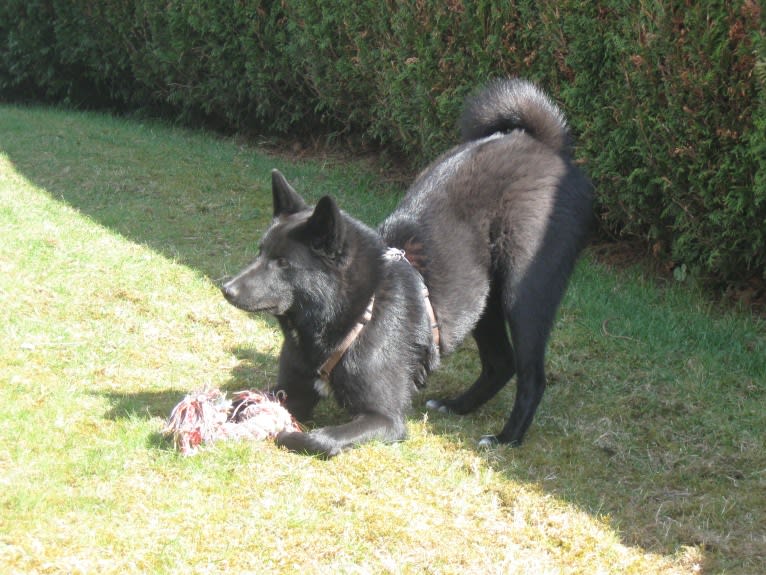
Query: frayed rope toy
[[206, 416]]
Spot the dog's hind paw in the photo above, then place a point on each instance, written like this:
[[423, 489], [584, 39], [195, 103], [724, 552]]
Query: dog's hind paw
[[437, 405]]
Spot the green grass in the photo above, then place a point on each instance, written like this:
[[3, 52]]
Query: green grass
[[647, 454]]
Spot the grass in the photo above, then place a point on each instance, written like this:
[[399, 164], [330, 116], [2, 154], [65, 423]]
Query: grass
[[647, 455]]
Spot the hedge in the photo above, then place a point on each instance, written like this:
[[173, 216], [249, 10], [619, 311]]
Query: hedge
[[667, 99]]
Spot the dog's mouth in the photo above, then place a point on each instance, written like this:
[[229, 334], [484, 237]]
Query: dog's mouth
[[254, 307], [260, 308]]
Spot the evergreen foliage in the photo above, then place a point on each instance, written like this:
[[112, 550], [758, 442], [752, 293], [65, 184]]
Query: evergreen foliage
[[667, 98]]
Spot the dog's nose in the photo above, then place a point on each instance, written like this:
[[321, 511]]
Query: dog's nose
[[229, 290]]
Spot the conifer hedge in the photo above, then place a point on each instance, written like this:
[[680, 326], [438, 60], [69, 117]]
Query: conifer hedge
[[667, 98]]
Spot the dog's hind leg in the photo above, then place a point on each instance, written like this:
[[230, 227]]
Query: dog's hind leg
[[330, 441], [497, 365], [529, 391], [531, 312]]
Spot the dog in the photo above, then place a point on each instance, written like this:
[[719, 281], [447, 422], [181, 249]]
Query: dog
[[483, 243]]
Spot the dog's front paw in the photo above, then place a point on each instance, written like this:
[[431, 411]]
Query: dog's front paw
[[308, 443]]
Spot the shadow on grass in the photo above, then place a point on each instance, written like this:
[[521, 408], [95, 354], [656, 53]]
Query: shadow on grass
[[252, 372], [255, 371], [182, 194], [168, 203]]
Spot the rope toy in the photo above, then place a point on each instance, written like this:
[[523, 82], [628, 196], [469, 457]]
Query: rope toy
[[206, 416]]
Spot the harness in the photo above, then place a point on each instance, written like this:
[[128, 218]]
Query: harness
[[324, 371]]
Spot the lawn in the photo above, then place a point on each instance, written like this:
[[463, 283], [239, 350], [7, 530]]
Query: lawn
[[647, 454]]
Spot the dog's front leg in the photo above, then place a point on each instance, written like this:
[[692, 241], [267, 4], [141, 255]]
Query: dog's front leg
[[330, 441], [296, 381]]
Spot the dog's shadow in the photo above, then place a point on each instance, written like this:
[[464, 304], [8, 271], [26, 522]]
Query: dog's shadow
[[254, 370]]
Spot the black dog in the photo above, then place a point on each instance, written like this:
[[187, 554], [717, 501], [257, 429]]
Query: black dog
[[492, 228]]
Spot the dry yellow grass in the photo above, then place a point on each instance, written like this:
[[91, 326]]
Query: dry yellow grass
[[111, 236]]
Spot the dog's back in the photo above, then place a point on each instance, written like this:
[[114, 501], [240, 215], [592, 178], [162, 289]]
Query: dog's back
[[500, 220]]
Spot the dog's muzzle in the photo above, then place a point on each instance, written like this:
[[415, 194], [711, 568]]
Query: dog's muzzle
[[229, 289]]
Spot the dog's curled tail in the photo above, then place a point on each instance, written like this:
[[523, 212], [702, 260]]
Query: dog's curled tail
[[505, 104]]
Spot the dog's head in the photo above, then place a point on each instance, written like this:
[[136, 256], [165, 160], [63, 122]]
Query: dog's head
[[297, 255]]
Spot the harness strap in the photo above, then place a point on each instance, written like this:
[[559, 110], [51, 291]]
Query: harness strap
[[396, 254], [326, 368], [431, 315]]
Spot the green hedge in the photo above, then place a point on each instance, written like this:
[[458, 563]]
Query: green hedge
[[667, 99]]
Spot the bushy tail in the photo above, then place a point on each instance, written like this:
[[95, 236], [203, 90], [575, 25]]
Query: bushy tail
[[504, 105]]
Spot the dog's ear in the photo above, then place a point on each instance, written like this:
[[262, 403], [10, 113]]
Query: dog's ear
[[286, 199], [325, 229]]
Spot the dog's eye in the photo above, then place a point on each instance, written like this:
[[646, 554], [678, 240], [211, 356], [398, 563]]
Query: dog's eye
[[283, 263]]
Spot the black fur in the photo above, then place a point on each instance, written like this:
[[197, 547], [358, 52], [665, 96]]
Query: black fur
[[494, 227]]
